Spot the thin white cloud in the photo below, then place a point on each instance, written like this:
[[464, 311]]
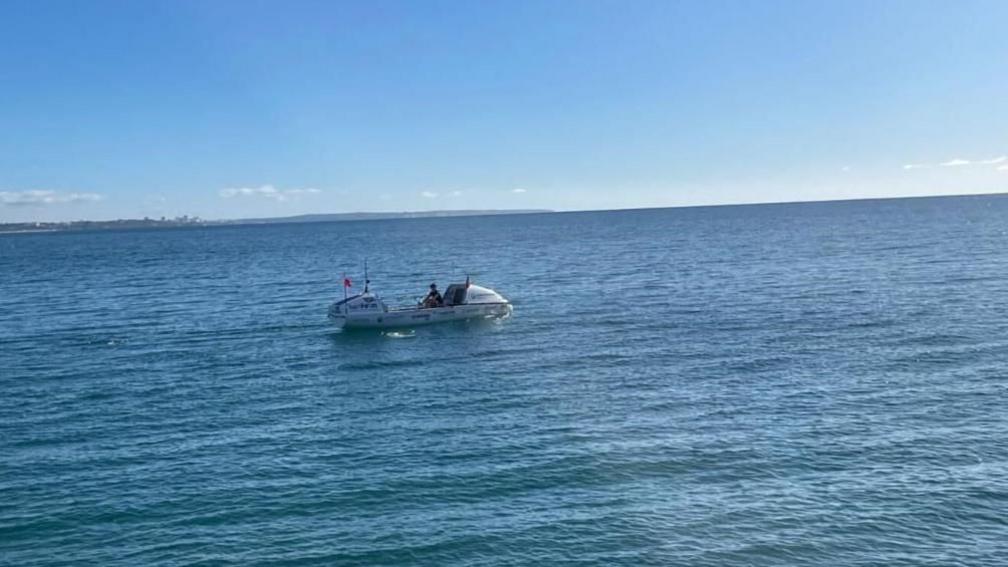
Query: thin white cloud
[[456, 193], [428, 194], [845, 168], [1003, 167], [268, 192], [42, 198], [519, 190], [956, 162]]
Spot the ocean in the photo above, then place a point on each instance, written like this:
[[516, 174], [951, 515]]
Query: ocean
[[795, 384]]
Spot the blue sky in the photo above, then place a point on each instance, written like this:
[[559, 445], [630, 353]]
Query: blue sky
[[236, 109]]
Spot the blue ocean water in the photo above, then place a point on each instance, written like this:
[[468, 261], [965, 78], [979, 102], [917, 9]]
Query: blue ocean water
[[804, 384]]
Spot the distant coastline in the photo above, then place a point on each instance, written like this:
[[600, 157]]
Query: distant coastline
[[187, 221]]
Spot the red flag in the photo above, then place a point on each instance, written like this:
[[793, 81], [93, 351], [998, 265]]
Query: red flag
[[346, 282]]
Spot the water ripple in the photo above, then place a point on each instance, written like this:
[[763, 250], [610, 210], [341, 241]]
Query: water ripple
[[798, 384]]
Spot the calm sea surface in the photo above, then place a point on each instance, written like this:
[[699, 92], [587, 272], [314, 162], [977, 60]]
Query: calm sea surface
[[815, 384]]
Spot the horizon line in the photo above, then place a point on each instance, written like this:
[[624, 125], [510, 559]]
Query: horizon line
[[503, 212]]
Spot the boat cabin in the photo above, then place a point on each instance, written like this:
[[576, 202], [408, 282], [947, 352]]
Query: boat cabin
[[470, 294], [455, 295]]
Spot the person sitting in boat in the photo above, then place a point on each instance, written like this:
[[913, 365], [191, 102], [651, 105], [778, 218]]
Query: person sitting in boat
[[433, 298]]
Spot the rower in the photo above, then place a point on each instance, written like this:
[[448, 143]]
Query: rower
[[433, 298]]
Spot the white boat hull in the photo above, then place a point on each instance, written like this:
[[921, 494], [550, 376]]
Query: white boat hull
[[460, 302], [399, 318]]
